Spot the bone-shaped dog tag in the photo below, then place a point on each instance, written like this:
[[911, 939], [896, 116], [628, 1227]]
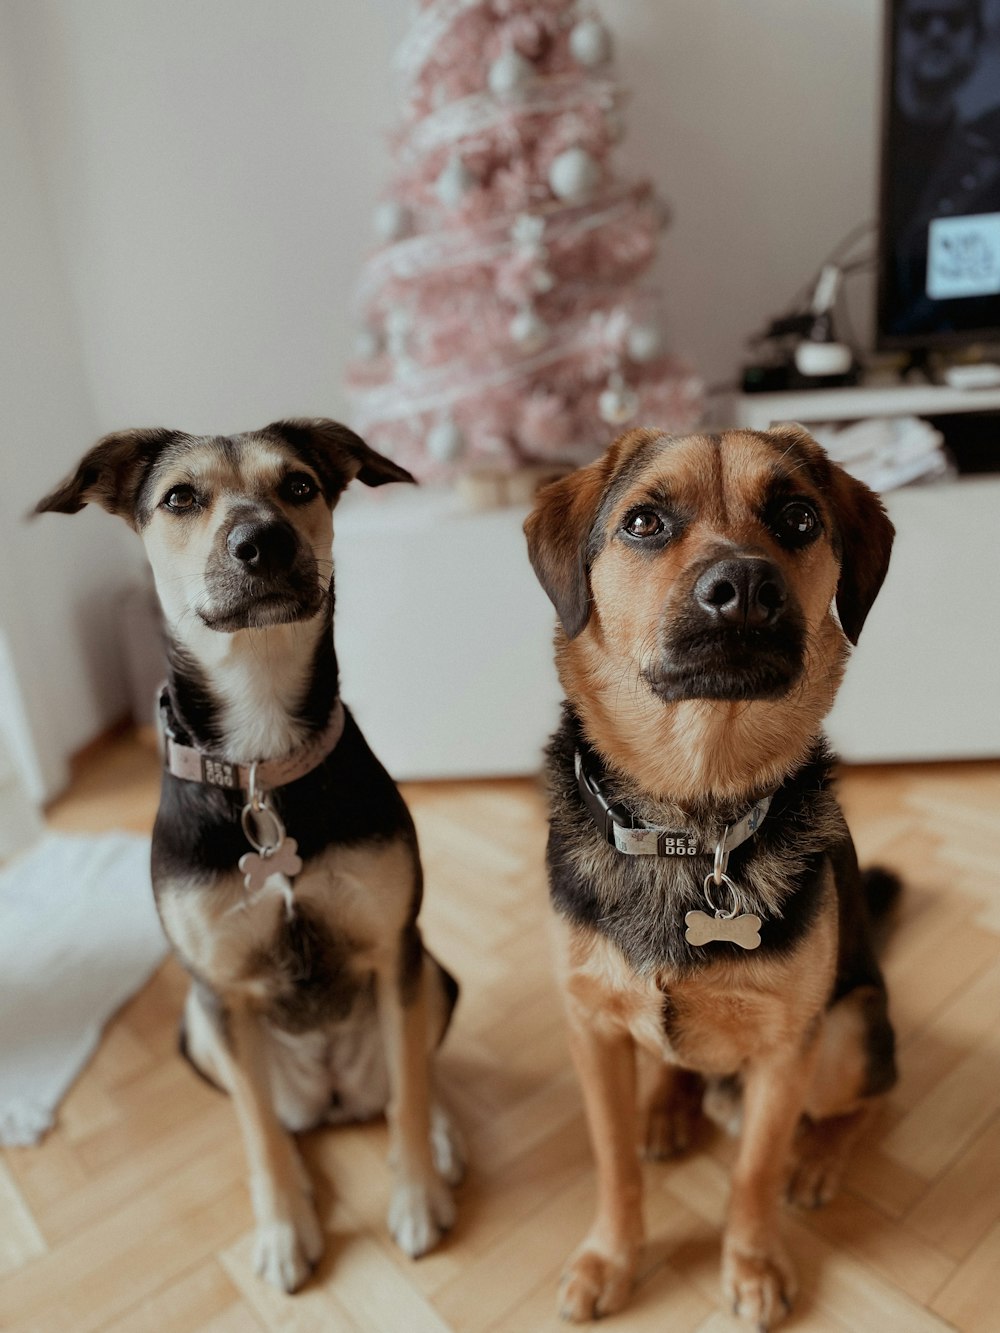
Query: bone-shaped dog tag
[[258, 867], [704, 929]]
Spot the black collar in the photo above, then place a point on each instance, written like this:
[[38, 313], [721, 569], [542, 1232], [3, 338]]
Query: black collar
[[629, 834], [194, 764]]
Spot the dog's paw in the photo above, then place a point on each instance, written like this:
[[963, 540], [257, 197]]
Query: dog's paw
[[814, 1181], [447, 1147], [595, 1284], [759, 1286], [820, 1155], [419, 1215], [285, 1251]]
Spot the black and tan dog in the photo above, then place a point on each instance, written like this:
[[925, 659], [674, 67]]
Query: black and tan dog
[[708, 901], [285, 862]]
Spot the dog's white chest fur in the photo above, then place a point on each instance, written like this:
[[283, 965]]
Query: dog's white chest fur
[[259, 678]]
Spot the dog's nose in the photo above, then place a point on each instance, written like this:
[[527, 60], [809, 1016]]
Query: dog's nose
[[264, 548], [748, 591]]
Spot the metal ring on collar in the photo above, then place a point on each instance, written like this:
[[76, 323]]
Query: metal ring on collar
[[258, 800], [721, 858], [724, 879], [252, 821]]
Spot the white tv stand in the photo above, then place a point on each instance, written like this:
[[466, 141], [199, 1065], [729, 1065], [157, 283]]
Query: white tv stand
[[924, 682], [760, 410]]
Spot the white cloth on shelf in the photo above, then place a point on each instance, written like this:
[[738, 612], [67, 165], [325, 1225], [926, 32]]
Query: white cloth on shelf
[[79, 934], [887, 452]]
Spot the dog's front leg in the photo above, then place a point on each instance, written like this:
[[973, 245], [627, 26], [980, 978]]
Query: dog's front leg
[[421, 1208], [599, 1276], [289, 1241], [758, 1279]]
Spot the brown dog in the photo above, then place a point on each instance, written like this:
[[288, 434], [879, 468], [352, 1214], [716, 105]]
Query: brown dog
[[708, 899]]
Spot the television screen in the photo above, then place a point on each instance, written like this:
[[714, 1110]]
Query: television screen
[[939, 248]]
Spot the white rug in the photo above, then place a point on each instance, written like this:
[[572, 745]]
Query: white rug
[[78, 935]]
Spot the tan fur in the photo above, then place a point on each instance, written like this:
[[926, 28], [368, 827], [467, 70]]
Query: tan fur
[[763, 1018], [334, 1015], [289, 1239], [697, 748], [178, 550], [759, 1018], [840, 1072], [723, 1016]]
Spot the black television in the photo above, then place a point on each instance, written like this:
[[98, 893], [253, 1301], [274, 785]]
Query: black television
[[939, 214]]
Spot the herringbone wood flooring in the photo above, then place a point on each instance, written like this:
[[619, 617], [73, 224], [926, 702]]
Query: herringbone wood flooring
[[133, 1214]]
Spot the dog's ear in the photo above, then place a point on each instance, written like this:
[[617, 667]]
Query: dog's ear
[[864, 533], [866, 543], [337, 453], [558, 531], [110, 474]]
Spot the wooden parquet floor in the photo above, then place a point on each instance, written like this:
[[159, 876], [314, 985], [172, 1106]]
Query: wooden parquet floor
[[133, 1214]]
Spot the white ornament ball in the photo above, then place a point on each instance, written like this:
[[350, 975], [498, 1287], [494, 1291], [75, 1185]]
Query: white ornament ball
[[590, 43], [574, 176], [644, 342], [542, 280], [509, 74], [367, 344], [392, 220], [529, 330], [445, 442], [618, 403], [454, 183]]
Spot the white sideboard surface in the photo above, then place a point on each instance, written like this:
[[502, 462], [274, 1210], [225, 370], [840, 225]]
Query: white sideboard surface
[[443, 634]]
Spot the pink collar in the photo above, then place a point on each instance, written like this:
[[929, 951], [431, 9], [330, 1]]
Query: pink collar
[[194, 765]]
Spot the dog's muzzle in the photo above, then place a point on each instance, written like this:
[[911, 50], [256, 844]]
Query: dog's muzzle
[[739, 636], [748, 593], [264, 549], [260, 575]]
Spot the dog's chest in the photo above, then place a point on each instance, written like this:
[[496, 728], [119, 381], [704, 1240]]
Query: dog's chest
[[346, 915], [713, 1019], [638, 903]]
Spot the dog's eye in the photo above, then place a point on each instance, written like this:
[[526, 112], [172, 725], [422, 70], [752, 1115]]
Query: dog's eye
[[797, 523], [298, 487], [180, 499], [643, 523]]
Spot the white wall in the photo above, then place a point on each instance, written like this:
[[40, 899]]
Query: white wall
[[212, 167], [196, 181], [759, 121], [60, 679]]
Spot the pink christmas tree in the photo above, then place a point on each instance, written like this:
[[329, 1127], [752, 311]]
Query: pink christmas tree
[[504, 316]]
